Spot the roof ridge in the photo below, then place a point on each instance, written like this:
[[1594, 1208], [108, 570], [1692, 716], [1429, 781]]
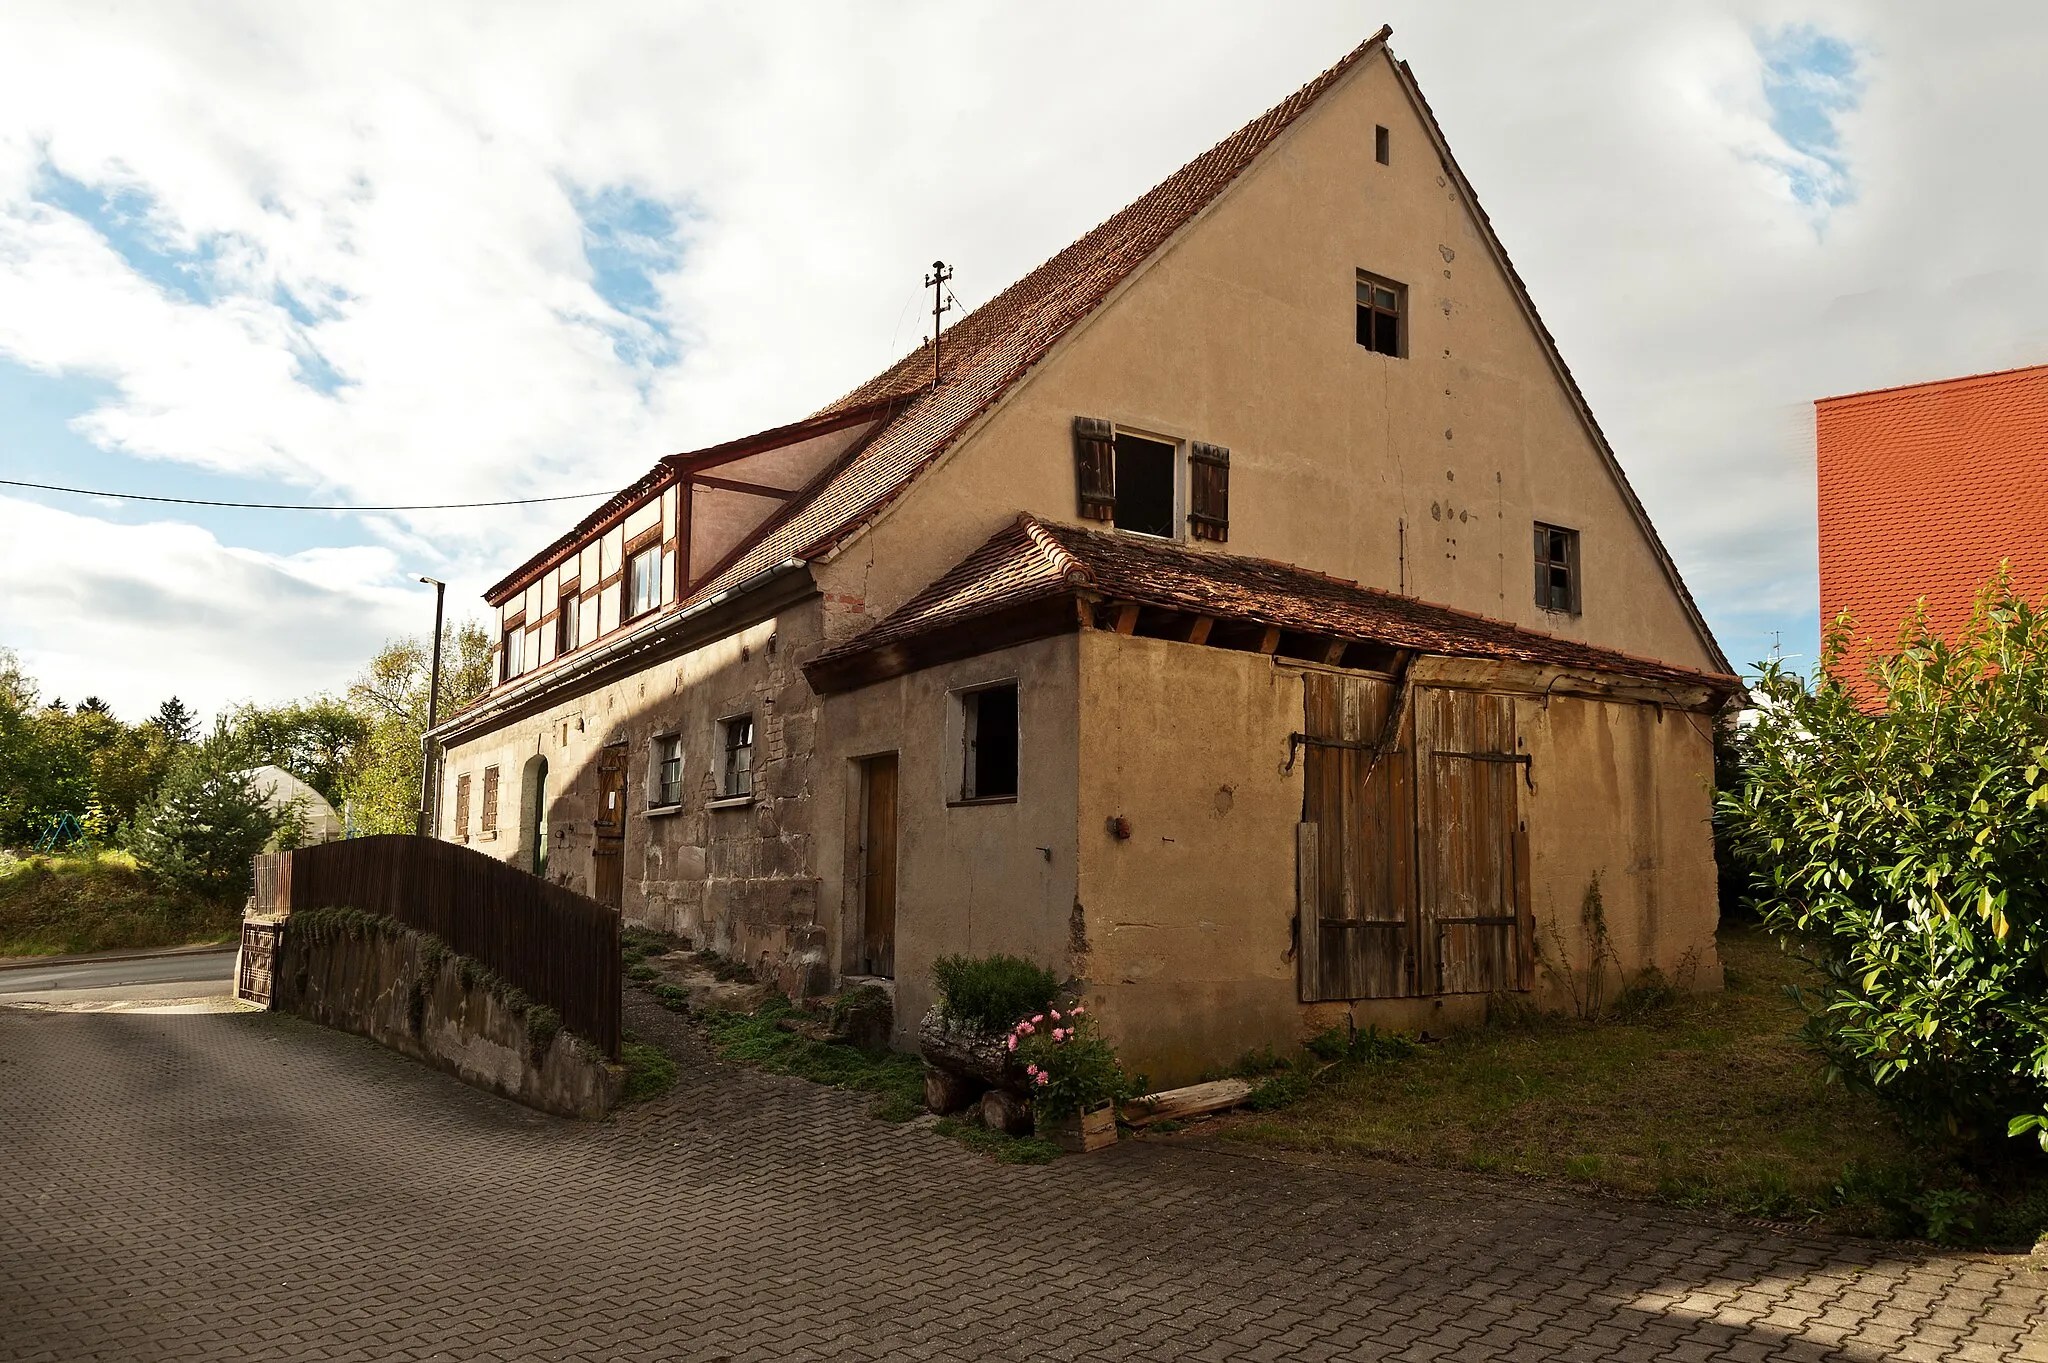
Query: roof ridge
[[1989, 376], [1076, 573]]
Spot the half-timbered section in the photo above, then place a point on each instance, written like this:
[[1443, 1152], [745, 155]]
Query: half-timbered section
[[1247, 619]]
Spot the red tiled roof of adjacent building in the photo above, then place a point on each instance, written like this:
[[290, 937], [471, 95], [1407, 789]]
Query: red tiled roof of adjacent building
[[1032, 561], [1924, 491]]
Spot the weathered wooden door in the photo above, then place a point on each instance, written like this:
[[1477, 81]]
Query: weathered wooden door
[[1358, 930], [878, 865], [1472, 853], [608, 853]]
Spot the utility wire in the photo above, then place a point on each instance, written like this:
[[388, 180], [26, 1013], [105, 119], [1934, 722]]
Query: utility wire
[[301, 506]]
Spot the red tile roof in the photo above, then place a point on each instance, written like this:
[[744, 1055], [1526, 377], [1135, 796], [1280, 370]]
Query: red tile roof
[[1032, 561], [1924, 490]]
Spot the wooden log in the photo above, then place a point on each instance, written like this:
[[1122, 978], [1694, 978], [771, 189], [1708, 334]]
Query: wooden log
[[1180, 1104], [1002, 1110], [976, 1055], [946, 1092]]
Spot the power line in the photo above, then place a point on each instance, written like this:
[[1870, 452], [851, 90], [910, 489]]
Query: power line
[[300, 506]]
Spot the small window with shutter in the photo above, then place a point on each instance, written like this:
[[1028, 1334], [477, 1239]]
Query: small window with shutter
[[462, 808], [1209, 492], [488, 823], [1095, 467], [1557, 568]]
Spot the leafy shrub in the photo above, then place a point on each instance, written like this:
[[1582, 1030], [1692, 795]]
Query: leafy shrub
[[1368, 1047], [1905, 847], [989, 993], [1072, 1069]]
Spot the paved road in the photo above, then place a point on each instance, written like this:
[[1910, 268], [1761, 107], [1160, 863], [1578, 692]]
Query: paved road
[[251, 1187], [185, 974]]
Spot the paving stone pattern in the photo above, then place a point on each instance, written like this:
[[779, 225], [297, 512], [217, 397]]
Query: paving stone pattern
[[253, 1187]]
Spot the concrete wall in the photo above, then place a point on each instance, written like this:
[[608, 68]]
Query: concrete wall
[[741, 878], [1189, 922], [1424, 473], [973, 879]]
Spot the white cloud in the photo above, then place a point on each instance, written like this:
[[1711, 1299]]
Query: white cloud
[[384, 200]]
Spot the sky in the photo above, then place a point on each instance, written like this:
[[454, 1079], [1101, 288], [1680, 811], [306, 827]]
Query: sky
[[379, 253]]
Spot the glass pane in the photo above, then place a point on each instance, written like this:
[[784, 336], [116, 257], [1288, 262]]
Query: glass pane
[[1383, 298]]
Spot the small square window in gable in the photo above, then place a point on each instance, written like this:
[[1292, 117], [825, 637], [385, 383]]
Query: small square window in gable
[[1144, 485]]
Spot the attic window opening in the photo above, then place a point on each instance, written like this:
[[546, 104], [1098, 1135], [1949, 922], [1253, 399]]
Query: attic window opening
[[1144, 485], [1379, 145], [1557, 568], [568, 619], [1380, 306], [512, 660]]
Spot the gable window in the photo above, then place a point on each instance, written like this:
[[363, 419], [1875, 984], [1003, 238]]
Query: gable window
[[462, 808], [643, 581], [1379, 145], [1379, 314], [487, 824], [513, 659], [736, 765], [1557, 568], [1134, 481], [666, 787], [988, 743], [1144, 485], [568, 617]]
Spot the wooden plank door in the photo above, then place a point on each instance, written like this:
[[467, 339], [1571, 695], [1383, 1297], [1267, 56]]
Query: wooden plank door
[[1356, 898], [1476, 935], [608, 854], [878, 865]]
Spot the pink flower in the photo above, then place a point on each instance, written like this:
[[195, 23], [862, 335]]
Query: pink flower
[[1076, 1011], [1040, 1018], [1045, 1079], [1059, 1034], [1013, 1043], [1055, 1015], [1031, 1069], [1025, 1029]]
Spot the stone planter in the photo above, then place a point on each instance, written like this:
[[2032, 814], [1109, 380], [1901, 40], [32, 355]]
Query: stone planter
[[1080, 1132]]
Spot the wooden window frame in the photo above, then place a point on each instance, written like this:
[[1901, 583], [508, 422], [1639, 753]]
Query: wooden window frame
[[658, 788], [735, 788], [1369, 286], [644, 544], [967, 709], [487, 817], [462, 807], [568, 618], [512, 633], [1546, 542]]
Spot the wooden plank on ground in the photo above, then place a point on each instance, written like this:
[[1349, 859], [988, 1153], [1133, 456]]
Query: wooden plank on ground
[[1182, 1103]]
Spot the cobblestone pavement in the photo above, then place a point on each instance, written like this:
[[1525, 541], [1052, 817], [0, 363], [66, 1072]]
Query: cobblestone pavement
[[250, 1186]]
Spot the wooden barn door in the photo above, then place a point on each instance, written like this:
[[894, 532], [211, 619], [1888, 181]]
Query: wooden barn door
[[878, 866], [608, 855], [1472, 854], [1358, 935]]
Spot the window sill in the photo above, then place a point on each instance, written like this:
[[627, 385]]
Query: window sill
[[982, 800], [491, 836], [663, 811], [729, 802]]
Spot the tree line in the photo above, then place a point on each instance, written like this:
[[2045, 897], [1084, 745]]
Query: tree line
[[161, 785]]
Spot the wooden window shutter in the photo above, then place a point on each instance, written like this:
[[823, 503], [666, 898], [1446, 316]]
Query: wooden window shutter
[[489, 822], [1095, 467], [462, 808], [1209, 492]]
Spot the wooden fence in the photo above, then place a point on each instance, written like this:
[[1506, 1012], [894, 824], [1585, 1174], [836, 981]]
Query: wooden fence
[[558, 946]]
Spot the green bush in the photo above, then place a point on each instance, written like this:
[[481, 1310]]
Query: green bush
[[1904, 845], [1072, 1069], [989, 993]]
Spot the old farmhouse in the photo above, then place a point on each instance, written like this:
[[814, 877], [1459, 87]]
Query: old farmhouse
[[1251, 622]]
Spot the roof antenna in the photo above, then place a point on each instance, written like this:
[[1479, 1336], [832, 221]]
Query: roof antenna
[[936, 282]]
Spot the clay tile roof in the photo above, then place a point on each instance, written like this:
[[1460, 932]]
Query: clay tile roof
[[1924, 490], [991, 348], [1031, 560]]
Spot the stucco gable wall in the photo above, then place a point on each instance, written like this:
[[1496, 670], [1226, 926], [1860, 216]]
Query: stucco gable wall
[[1241, 334]]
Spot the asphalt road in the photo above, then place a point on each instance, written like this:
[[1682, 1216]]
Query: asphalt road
[[186, 974]]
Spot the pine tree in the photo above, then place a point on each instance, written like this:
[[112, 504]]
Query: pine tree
[[177, 721], [207, 821]]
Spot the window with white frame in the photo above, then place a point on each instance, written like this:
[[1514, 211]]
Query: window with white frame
[[736, 757], [643, 581], [665, 781], [513, 661]]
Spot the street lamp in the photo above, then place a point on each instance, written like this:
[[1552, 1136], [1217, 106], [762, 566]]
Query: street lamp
[[433, 707]]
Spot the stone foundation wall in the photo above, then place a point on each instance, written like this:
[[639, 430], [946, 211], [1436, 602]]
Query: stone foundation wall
[[405, 990]]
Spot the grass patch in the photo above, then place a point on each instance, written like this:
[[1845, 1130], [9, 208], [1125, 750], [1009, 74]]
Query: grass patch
[[648, 1072], [100, 901], [1706, 1101], [997, 1145], [896, 1080]]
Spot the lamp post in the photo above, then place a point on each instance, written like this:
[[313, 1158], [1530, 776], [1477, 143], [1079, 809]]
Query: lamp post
[[433, 709]]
